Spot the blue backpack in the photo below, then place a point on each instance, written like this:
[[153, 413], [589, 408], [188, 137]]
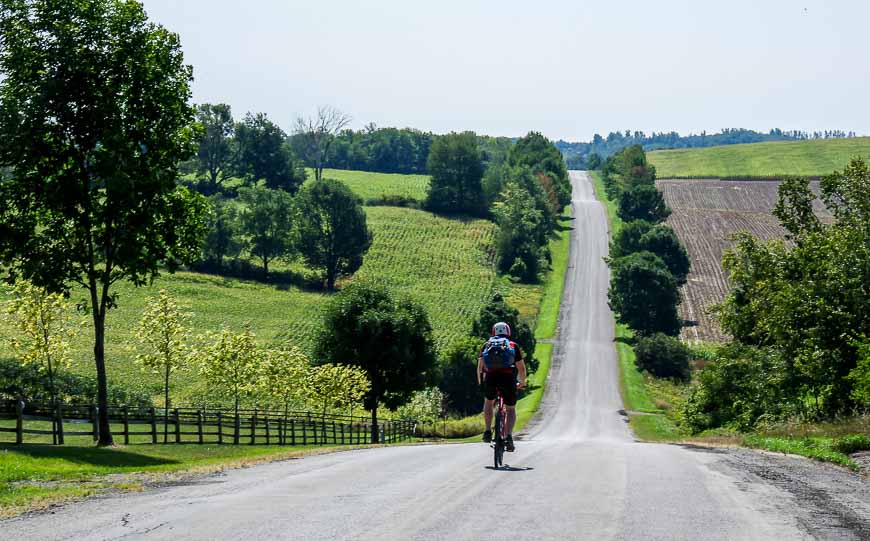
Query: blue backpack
[[498, 354]]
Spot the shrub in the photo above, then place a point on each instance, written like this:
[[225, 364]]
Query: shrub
[[458, 377], [743, 387], [663, 356], [851, 444]]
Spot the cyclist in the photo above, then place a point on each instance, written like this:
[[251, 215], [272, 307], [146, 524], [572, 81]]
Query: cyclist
[[504, 379]]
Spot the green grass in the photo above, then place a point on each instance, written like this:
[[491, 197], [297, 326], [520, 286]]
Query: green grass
[[811, 158], [815, 448], [377, 185], [35, 476], [446, 264], [548, 318]]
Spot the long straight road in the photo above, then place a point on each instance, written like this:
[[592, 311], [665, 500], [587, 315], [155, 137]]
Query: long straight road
[[577, 473]]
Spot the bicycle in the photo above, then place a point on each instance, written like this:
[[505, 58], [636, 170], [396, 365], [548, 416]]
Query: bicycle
[[499, 442]]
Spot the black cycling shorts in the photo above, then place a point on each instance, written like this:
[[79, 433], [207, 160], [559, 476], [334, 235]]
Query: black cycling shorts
[[506, 381]]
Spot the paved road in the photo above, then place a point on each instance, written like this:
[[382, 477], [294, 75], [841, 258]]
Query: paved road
[[577, 474]]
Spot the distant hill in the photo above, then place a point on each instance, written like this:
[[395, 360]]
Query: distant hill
[[809, 158]]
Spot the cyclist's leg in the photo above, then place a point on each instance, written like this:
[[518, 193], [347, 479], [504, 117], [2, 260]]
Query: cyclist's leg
[[487, 413], [509, 390], [489, 391]]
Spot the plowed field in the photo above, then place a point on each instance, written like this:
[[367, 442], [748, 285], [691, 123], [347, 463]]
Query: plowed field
[[706, 214]]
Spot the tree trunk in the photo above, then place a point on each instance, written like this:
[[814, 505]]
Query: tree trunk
[[375, 432], [166, 406], [105, 438]]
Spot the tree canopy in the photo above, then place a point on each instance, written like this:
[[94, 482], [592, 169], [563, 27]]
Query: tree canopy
[[391, 339], [456, 168], [644, 294], [94, 118]]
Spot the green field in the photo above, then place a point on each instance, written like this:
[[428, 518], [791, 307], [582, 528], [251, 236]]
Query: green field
[[447, 264], [377, 185], [810, 158]]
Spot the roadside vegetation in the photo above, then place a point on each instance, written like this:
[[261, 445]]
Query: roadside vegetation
[[774, 159], [793, 377]]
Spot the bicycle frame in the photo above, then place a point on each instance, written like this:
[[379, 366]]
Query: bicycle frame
[[498, 443]]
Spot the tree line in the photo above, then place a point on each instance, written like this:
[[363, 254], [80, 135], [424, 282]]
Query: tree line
[[648, 264], [589, 155]]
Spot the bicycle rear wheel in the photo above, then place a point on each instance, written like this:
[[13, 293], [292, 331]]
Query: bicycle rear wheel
[[498, 453]]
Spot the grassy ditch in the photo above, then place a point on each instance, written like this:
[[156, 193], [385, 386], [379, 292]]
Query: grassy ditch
[[36, 476]]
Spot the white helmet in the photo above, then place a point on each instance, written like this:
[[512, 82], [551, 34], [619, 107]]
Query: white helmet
[[501, 329]]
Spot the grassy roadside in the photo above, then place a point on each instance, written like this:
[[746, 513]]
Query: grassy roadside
[[36, 476], [647, 419]]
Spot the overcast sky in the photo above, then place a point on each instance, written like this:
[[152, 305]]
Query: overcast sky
[[567, 68]]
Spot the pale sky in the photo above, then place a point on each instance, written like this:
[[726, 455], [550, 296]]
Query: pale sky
[[566, 68]]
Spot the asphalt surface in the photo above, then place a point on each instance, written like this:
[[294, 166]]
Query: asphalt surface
[[576, 474]]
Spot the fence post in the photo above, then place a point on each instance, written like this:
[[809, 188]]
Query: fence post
[[19, 422], [342, 433], [177, 421], [304, 432], [334, 439], [220, 427], [58, 419], [254, 427], [125, 411], [96, 429], [237, 427], [268, 436], [153, 426], [199, 424], [293, 432]]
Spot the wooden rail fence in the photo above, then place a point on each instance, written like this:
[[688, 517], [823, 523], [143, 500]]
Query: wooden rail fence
[[197, 425]]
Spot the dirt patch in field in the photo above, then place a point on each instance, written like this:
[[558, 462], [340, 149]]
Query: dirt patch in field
[[706, 215]]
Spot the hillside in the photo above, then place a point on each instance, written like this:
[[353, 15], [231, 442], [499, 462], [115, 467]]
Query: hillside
[[447, 264], [810, 158], [377, 185]]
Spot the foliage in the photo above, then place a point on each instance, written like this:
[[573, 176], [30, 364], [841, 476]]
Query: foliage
[[264, 154], [336, 386], [458, 376], [224, 233], [540, 155], [860, 377], [456, 168], [519, 232], [663, 356], [644, 294], [44, 329], [497, 309], [31, 384], [283, 376], [743, 387], [266, 221], [426, 406], [809, 301], [660, 239], [230, 364], [331, 230], [163, 330], [852, 444], [643, 202], [94, 119], [387, 150], [215, 158], [391, 339]]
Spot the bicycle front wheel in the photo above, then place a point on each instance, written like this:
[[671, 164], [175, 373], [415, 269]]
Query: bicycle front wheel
[[498, 448]]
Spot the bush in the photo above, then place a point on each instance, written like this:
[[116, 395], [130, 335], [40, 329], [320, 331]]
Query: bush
[[663, 356], [742, 388], [851, 444], [459, 378]]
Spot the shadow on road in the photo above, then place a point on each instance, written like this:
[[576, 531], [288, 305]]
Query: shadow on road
[[509, 468]]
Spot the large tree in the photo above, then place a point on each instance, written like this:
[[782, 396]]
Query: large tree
[[455, 164], [643, 202], [644, 294], [266, 222], [391, 339], [315, 135], [215, 156], [94, 118], [331, 230], [264, 154]]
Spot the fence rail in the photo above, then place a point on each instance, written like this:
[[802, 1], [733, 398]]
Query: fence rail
[[198, 425]]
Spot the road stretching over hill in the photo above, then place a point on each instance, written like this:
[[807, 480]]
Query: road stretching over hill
[[577, 473]]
